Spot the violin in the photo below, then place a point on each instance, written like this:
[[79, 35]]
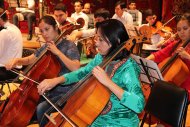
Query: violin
[[23, 101], [64, 28], [160, 29]]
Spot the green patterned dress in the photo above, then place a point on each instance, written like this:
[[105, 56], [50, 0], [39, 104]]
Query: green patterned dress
[[123, 112]]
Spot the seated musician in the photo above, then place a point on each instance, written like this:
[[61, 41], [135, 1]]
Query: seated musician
[[121, 77], [10, 45], [122, 15], [99, 16], [28, 14], [88, 11], [183, 31], [78, 5], [61, 14], [151, 20], [137, 15], [66, 52]]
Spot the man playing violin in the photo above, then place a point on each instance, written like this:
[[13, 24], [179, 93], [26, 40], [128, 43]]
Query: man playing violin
[[61, 15], [100, 15], [78, 5], [151, 20]]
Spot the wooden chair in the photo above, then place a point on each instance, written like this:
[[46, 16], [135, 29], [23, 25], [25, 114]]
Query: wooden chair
[[168, 103]]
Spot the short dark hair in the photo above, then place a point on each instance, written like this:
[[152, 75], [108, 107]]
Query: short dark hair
[[148, 12], [80, 1], [102, 12], [121, 3], [131, 1], [60, 7]]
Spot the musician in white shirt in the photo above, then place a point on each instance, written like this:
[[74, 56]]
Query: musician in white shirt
[[100, 15], [11, 46], [28, 14], [79, 14], [121, 14]]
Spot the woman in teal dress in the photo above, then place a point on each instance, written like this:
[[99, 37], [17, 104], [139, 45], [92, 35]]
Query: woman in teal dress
[[121, 77]]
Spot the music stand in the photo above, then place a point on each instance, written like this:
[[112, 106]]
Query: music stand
[[150, 72]]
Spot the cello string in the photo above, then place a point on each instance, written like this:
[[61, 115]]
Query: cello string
[[47, 99], [64, 98], [64, 116]]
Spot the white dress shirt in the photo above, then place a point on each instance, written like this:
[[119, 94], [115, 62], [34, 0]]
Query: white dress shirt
[[11, 43], [126, 18], [75, 16], [88, 32]]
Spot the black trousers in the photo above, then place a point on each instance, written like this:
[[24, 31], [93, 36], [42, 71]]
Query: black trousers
[[30, 17], [6, 75]]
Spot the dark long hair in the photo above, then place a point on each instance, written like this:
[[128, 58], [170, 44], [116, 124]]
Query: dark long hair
[[50, 21], [185, 16], [114, 31]]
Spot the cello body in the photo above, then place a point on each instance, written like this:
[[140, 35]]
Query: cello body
[[84, 105], [23, 101], [173, 68], [176, 73]]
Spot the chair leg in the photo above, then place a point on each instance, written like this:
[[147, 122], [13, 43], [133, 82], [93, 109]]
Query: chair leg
[[1, 91], [143, 120], [9, 88]]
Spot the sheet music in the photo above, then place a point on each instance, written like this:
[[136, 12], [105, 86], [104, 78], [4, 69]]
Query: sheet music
[[131, 30], [152, 68]]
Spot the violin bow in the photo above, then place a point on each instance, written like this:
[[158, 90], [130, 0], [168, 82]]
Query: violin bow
[[48, 100], [3, 13], [166, 23]]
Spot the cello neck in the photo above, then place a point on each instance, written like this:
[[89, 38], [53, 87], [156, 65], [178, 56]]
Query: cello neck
[[128, 44]]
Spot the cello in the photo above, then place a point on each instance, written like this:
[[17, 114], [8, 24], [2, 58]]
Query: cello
[[23, 101], [85, 101], [172, 64]]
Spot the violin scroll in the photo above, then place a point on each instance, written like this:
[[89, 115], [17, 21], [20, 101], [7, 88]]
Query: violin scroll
[[81, 22]]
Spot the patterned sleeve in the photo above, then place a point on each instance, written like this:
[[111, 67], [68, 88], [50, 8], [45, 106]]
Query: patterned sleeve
[[79, 74], [133, 96]]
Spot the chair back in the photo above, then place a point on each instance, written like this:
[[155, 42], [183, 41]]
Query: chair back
[[168, 103]]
